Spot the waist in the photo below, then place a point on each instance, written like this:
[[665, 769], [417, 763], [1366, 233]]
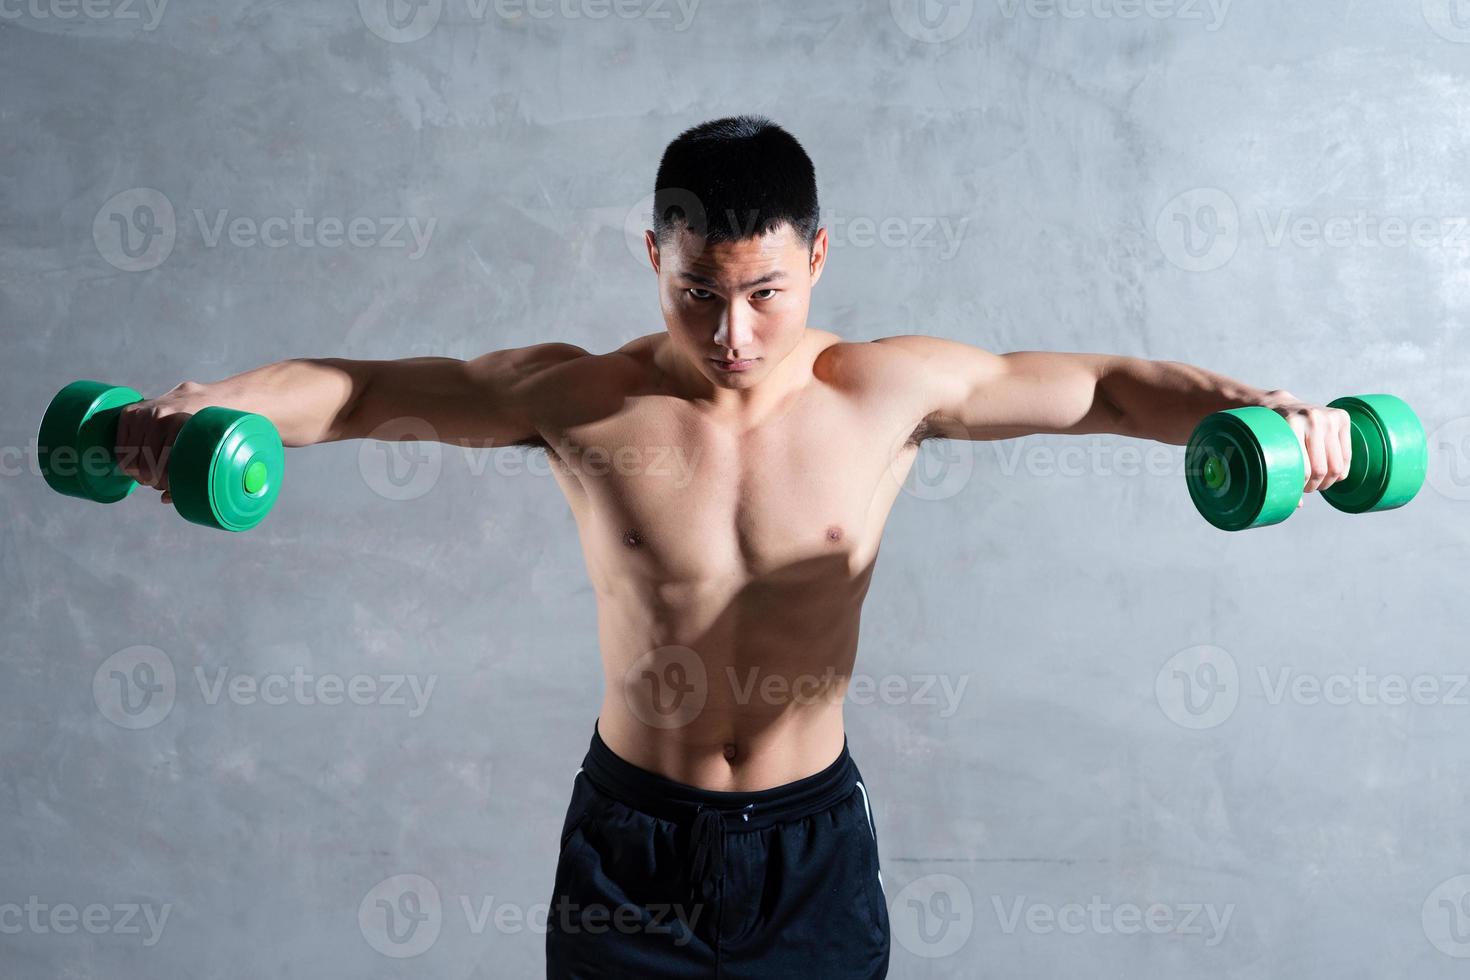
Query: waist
[[668, 799]]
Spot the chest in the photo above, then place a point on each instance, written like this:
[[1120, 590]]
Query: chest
[[667, 492]]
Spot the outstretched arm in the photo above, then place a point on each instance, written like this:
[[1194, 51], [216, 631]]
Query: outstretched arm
[[488, 401], [974, 394]]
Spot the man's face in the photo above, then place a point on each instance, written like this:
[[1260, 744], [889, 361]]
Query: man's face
[[736, 309]]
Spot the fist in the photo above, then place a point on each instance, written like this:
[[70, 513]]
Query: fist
[[1325, 435], [146, 432]]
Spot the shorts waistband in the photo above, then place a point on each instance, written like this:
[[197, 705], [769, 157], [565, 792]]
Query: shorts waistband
[[669, 799]]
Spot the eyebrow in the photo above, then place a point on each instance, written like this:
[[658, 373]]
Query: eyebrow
[[776, 276]]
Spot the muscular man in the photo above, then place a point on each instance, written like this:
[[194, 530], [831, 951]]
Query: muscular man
[[718, 826]]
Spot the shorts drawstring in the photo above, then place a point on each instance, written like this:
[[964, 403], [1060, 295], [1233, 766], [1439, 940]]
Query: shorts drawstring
[[707, 864], [708, 835]]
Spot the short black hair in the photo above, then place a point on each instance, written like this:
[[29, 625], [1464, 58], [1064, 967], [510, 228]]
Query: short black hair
[[735, 178]]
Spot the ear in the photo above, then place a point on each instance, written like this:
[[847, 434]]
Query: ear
[[651, 243], [819, 255]]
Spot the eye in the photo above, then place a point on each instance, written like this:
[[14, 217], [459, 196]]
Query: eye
[[771, 292], [699, 294]]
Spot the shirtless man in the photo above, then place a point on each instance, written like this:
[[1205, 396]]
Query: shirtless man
[[716, 828]]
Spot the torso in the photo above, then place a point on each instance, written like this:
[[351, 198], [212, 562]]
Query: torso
[[729, 566]]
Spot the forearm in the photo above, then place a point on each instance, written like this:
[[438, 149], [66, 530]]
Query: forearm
[[307, 399], [1164, 400]]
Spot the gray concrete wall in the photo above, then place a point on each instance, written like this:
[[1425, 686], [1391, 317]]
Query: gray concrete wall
[[1164, 751]]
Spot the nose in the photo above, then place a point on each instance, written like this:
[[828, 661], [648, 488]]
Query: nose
[[737, 328]]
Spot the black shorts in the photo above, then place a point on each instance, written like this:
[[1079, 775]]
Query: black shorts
[[658, 879]]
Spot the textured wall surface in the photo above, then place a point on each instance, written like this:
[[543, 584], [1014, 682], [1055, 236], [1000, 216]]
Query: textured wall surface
[[1102, 738]]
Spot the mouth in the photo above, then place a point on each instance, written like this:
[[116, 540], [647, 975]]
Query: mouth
[[734, 366]]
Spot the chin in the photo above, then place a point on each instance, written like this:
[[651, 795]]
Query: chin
[[742, 380]]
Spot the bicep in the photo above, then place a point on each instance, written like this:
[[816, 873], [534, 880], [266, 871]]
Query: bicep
[[487, 401]]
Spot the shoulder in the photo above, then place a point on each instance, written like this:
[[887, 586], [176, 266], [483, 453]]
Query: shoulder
[[915, 378], [556, 366], [567, 385], [894, 364]]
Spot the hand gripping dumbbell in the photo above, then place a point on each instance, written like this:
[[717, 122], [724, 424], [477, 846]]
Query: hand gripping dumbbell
[[1245, 467], [224, 468]]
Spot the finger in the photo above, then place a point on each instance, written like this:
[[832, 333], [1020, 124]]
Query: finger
[[167, 497], [152, 453], [1332, 444], [1316, 458], [172, 426], [1299, 429], [124, 446], [1345, 435]]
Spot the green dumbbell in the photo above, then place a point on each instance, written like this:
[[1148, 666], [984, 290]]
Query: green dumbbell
[[224, 467], [1245, 467]]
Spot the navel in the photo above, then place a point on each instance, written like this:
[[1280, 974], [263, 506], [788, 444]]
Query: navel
[[730, 751]]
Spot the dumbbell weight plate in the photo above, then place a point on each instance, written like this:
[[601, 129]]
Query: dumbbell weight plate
[[1244, 468], [225, 469], [1390, 455], [77, 438]]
